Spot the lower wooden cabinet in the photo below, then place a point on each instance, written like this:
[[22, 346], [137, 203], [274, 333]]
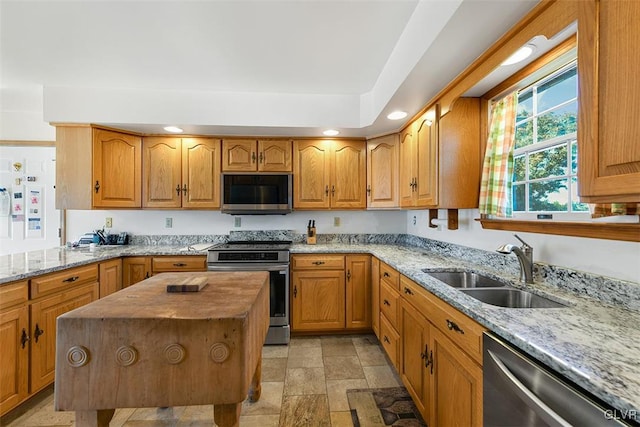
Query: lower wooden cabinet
[[178, 263], [375, 296], [135, 269], [330, 292], [14, 335], [110, 273], [415, 365]]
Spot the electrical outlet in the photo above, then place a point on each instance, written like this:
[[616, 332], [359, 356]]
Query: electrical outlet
[[336, 221], [108, 222], [237, 222], [168, 223]]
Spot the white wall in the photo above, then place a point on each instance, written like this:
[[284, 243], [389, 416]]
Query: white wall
[[611, 258], [144, 222], [21, 115]]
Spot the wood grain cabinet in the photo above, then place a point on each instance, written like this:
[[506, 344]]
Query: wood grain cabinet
[[97, 168], [250, 155], [375, 296], [181, 173], [330, 292], [329, 174], [163, 264], [14, 341], [382, 172], [608, 109], [419, 162], [135, 269], [388, 311], [110, 274]]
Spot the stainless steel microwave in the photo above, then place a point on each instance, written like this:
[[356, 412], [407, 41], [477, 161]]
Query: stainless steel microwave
[[256, 194]]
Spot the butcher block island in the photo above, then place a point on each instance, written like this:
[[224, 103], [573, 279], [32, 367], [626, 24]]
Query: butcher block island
[[146, 347]]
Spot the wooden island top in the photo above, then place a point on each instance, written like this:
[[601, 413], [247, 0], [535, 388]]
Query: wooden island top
[[146, 347]]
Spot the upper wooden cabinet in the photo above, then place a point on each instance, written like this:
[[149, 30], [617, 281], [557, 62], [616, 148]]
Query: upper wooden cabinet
[[329, 174], [250, 155], [382, 172], [181, 172], [608, 109], [419, 162], [97, 168]]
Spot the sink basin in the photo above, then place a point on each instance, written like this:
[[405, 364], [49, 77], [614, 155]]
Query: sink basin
[[511, 298], [465, 279]]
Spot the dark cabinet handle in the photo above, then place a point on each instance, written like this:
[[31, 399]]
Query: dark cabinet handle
[[408, 291], [424, 355], [318, 262], [385, 339], [178, 189], [348, 275], [179, 264], [261, 157], [37, 332], [386, 302], [71, 279], [386, 274], [253, 157], [454, 327], [429, 361], [24, 338], [146, 276], [295, 291], [326, 190], [333, 190], [184, 188], [97, 186], [368, 190]]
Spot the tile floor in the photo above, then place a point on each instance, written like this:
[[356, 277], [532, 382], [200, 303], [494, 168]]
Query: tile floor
[[303, 384]]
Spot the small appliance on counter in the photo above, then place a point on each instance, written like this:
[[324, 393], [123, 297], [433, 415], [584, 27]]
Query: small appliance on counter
[[99, 237], [311, 232]]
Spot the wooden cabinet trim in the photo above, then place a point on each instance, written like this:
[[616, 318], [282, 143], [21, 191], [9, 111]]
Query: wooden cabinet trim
[[55, 282], [14, 293]]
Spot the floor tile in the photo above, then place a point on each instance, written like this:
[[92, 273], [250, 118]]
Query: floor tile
[[337, 392], [365, 340], [305, 342], [342, 367], [380, 376], [270, 400], [274, 369], [145, 414], [338, 348], [305, 381], [259, 420], [371, 355], [46, 416], [271, 351], [341, 419], [305, 357], [308, 411]]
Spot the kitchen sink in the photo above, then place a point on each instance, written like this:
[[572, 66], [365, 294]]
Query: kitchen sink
[[465, 279], [511, 298]]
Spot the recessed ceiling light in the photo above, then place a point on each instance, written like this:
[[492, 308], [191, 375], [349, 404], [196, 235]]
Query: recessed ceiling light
[[397, 115], [173, 129], [331, 132], [520, 55]]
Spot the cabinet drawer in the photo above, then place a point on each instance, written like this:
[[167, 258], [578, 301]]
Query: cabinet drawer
[[458, 327], [390, 341], [389, 275], [179, 263], [14, 294], [389, 303], [55, 282], [317, 262]]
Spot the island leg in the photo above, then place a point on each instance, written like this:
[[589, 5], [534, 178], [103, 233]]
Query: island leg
[[227, 415], [255, 389], [99, 418]]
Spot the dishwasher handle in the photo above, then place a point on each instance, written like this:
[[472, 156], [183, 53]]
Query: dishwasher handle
[[537, 405]]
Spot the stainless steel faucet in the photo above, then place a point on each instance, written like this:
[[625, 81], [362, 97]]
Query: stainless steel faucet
[[525, 256]]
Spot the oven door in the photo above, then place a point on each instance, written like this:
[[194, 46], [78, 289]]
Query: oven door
[[278, 287]]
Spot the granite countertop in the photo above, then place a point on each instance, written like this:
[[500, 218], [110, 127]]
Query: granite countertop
[[592, 343]]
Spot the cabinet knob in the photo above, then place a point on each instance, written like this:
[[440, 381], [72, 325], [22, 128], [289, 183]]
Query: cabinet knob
[[24, 338], [386, 339], [386, 274], [348, 275], [253, 157], [184, 188], [179, 264], [295, 291], [452, 326], [97, 186], [386, 302], [368, 190], [37, 332], [178, 189], [261, 158], [408, 291], [333, 190], [317, 262], [326, 190], [71, 279]]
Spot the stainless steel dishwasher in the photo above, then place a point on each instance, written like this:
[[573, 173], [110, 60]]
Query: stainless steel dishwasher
[[519, 391]]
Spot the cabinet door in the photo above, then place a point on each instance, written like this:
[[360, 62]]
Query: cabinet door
[[14, 331], [456, 397], [375, 296], [317, 300], [201, 173], [135, 269], [608, 109], [382, 172], [239, 155], [43, 330], [274, 155], [414, 355], [427, 155], [407, 166], [358, 276], [311, 174], [117, 170], [161, 172], [110, 277], [348, 175]]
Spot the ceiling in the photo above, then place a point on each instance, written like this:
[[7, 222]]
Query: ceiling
[[242, 67]]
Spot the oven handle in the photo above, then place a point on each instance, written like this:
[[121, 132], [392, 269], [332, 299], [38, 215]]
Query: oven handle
[[537, 405], [247, 267]]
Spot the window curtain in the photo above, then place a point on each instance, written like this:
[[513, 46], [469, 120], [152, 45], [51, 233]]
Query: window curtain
[[497, 169]]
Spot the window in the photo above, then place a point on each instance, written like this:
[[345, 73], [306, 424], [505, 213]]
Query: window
[[545, 153]]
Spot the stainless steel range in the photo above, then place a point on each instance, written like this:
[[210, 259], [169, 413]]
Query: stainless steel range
[[271, 256]]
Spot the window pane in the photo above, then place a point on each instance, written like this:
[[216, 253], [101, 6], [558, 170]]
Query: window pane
[[549, 195], [519, 168], [524, 134], [549, 162], [525, 105], [560, 89], [576, 206], [558, 122], [519, 198], [574, 157]]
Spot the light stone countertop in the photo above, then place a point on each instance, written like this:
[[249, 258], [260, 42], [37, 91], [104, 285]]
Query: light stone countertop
[[595, 345]]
